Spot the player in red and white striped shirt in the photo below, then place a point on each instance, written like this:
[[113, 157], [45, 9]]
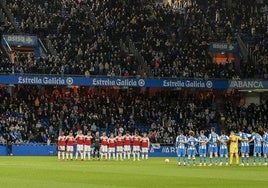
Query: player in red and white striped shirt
[[70, 145], [119, 146], [61, 146], [80, 145], [136, 146], [145, 142], [104, 145], [127, 140], [111, 142], [87, 147]]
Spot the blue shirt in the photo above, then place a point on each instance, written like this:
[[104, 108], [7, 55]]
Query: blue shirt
[[180, 141], [202, 139], [213, 138], [191, 142], [244, 137], [257, 139], [265, 139], [224, 139]]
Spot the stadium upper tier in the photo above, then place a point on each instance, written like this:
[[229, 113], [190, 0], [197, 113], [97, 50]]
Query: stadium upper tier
[[85, 38]]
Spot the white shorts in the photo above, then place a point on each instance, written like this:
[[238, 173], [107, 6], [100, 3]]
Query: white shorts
[[104, 149], [119, 149], [70, 149], [111, 150], [144, 150], [61, 148], [136, 148], [87, 148], [127, 149], [80, 147]]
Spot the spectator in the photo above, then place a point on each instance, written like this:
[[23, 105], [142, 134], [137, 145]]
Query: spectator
[[172, 42]]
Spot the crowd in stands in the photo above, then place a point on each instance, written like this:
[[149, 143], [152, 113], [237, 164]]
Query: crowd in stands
[[173, 41], [254, 31], [86, 35], [36, 114], [77, 35]]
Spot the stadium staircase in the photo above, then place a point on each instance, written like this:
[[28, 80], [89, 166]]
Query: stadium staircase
[[42, 48], [243, 48], [143, 67], [123, 46], [4, 52]]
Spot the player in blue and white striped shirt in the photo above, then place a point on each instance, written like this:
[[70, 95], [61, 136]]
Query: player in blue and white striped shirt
[[223, 147], [244, 147], [213, 146], [203, 140], [181, 140], [265, 146], [191, 150], [257, 147]]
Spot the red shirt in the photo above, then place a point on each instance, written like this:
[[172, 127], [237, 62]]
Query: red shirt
[[119, 141], [79, 139], [61, 141], [127, 140], [104, 140], [70, 140], [111, 142], [145, 142], [88, 140], [136, 141]]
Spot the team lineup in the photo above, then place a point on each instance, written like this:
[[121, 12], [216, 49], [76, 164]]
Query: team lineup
[[103, 147], [221, 149], [216, 146]]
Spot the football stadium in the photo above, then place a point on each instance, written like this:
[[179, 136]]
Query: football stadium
[[133, 93]]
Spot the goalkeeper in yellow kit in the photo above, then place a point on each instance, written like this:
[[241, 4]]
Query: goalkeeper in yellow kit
[[234, 147]]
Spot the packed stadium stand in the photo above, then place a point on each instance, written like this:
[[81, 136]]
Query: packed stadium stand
[[85, 36], [35, 115], [131, 38]]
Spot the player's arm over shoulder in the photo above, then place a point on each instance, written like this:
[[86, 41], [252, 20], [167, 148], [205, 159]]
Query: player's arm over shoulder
[[233, 138]]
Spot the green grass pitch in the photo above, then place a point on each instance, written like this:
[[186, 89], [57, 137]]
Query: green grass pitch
[[48, 172]]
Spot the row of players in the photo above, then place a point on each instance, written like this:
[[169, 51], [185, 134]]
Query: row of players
[[104, 146], [187, 146]]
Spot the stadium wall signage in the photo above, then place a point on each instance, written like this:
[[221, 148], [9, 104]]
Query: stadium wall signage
[[48, 150], [223, 47], [132, 82], [21, 40]]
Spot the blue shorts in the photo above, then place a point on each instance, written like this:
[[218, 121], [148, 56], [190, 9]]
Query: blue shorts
[[202, 151], [257, 149], [265, 150], [191, 152], [181, 152], [213, 149], [223, 151], [244, 149]]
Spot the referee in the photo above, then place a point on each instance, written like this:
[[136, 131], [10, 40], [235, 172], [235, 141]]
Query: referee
[[96, 142]]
